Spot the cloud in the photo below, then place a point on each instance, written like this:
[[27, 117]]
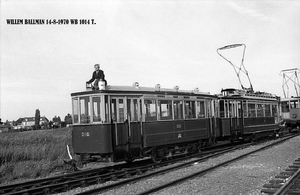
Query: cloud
[[250, 12]]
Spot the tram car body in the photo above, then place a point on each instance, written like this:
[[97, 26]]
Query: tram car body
[[123, 123], [245, 115], [290, 111]]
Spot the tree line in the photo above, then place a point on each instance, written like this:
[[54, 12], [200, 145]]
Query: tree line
[[56, 122]]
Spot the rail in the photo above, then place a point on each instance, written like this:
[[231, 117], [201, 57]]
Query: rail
[[174, 182], [287, 182]]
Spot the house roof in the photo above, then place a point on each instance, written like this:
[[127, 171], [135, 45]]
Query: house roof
[[3, 126], [28, 119]]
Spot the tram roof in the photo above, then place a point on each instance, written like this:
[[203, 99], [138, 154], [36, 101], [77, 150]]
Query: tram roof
[[112, 89], [232, 93], [293, 99]]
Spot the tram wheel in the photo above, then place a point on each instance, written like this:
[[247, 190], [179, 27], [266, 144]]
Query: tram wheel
[[79, 164], [156, 160], [157, 155], [129, 158]]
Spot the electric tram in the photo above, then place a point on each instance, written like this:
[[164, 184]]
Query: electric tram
[[290, 105], [123, 123], [248, 115], [290, 110]]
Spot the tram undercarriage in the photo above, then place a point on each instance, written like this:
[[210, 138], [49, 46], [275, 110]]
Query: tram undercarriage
[[156, 153]]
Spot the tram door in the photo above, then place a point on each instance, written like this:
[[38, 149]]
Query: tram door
[[125, 115], [119, 127], [133, 105], [235, 113]]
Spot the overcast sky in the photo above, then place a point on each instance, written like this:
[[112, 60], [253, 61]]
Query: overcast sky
[[166, 42]]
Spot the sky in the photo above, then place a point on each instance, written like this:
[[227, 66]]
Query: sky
[[168, 42]]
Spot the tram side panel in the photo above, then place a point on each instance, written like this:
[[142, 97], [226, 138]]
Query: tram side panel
[[120, 141], [259, 124], [197, 129], [217, 128], [121, 136], [135, 138], [92, 139], [158, 133], [172, 132], [224, 124]]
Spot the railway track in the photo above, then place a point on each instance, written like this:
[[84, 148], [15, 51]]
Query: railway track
[[287, 182], [70, 181], [179, 180], [183, 179]]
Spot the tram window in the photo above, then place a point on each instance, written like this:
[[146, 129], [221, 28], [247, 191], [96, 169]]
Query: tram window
[[216, 108], [96, 109], [285, 107], [135, 110], [84, 109], [222, 109], [129, 117], [239, 109], [251, 110], [105, 116], [114, 110], [260, 110], [178, 109], [201, 109], [150, 114], [75, 110], [245, 110], [190, 109], [267, 110], [132, 109], [165, 110], [121, 110], [227, 109], [274, 110], [294, 104], [209, 111]]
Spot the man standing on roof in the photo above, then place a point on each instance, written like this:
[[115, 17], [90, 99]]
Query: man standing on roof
[[98, 75]]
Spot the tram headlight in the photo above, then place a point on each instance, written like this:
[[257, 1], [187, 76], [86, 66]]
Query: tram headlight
[[176, 88], [135, 84], [157, 86]]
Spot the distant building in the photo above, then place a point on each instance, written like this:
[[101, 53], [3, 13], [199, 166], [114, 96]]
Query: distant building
[[4, 128], [28, 122]]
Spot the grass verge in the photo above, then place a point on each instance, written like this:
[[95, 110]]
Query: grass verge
[[32, 154]]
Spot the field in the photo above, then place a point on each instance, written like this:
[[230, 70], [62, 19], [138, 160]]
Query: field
[[32, 154]]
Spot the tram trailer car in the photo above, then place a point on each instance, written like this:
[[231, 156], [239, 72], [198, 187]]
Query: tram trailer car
[[290, 110], [248, 115], [123, 123]]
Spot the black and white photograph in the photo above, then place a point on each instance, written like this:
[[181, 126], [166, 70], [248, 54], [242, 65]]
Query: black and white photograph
[[165, 97]]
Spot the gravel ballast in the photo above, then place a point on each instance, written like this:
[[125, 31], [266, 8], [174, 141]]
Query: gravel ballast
[[246, 176]]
